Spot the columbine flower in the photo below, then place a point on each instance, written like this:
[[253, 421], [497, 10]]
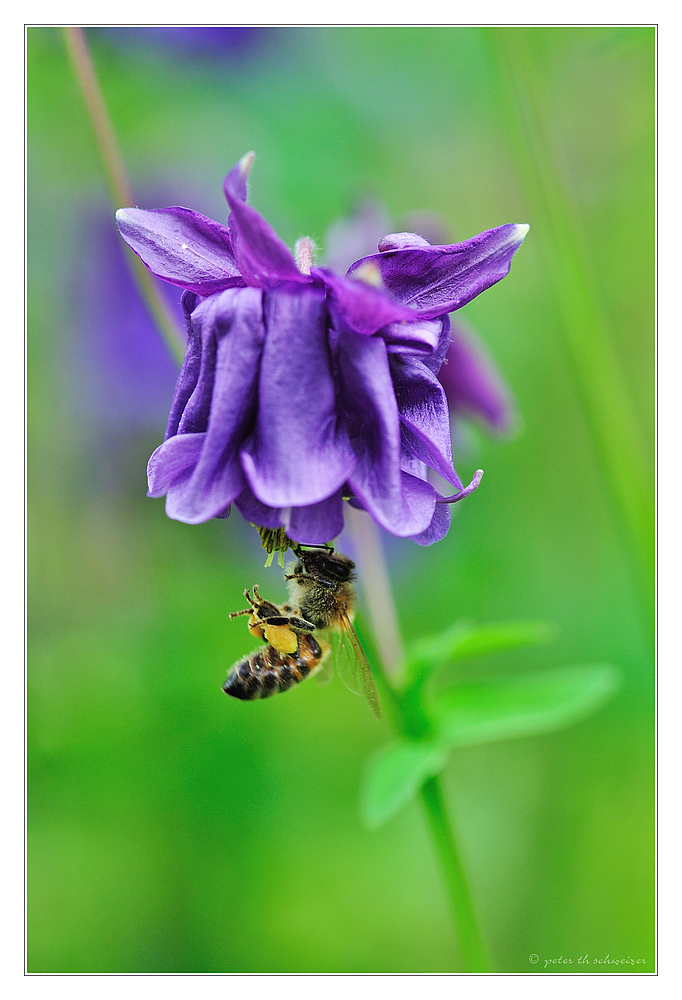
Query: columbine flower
[[301, 387]]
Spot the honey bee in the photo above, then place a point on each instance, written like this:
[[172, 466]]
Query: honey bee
[[321, 600], [291, 653]]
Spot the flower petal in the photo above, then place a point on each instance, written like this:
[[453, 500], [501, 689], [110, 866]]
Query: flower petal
[[440, 279], [438, 529], [174, 460], [200, 359], [315, 524], [256, 512], [410, 463], [235, 319], [191, 365], [440, 523], [420, 338], [318, 523], [434, 361], [362, 307], [181, 246], [473, 385], [401, 241], [299, 453], [424, 415], [262, 257], [401, 503]]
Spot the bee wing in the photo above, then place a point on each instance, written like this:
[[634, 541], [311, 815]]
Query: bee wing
[[353, 667], [325, 671]]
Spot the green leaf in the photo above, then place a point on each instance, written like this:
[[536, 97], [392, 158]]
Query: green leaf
[[521, 706], [464, 639], [394, 775]]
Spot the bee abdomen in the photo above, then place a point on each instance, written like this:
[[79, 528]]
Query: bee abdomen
[[267, 671]]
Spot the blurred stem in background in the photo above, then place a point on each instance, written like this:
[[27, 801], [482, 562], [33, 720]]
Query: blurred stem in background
[[373, 571], [119, 185], [383, 616], [596, 371]]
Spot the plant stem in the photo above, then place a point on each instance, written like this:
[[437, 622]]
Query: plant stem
[[119, 184], [376, 586], [383, 618], [473, 952]]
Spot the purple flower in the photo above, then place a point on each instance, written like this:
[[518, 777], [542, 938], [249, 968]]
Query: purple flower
[[301, 387]]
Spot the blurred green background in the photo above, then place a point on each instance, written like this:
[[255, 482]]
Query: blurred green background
[[174, 830]]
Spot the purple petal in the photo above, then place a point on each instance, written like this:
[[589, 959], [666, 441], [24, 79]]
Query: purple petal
[[299, 453], [399, 502], [438, 529], [410, 463], [421, 338], [312, 525], [473, 385], [440, 523], [200, 360], [424, 415], [401, 241], [182, 247], [434, 361], [173, 461], [360, 306], [438, 280], [262, 257], [256, 512], [189, 373], [318, 523], [235, 321]]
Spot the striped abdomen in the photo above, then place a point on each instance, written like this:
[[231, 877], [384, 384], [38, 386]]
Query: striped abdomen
[[267, 671]]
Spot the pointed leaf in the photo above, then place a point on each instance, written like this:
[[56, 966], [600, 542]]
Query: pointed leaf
[[521, 706], [464, 639], [394, 775]]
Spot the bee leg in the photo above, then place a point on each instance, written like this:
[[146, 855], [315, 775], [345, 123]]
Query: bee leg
[[256, 603], [236, 614], [297, 624]]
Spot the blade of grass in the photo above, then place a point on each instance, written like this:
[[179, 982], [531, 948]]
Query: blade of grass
[[587, 339], [119, 184]]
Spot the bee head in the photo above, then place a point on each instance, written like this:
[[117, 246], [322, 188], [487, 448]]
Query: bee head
[[324, 566]]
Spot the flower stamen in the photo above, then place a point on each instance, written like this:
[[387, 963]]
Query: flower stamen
[[305, 254], [274, 540]]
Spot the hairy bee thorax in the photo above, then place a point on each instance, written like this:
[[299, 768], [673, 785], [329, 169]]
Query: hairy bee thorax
[[321, 585]]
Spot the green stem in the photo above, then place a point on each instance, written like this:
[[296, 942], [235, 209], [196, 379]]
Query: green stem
[[119, 184], [473, 952], [383, 619]]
